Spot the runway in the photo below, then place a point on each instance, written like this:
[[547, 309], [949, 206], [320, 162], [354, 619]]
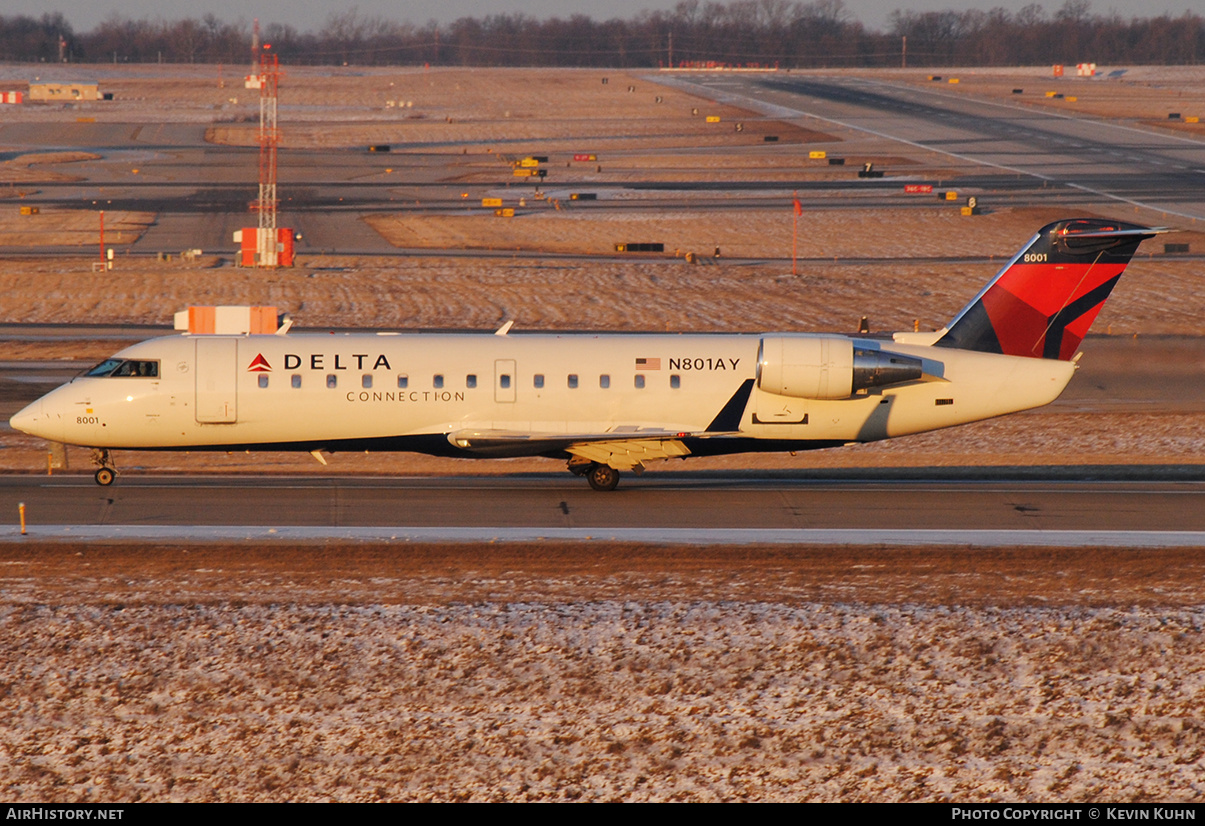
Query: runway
[[222, 534], [1097, 157], [1163, 509]]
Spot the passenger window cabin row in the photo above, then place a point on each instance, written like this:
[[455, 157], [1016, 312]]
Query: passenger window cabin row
[[120, 367], [470, 381]]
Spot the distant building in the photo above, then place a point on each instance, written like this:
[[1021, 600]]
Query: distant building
[[69, 91]]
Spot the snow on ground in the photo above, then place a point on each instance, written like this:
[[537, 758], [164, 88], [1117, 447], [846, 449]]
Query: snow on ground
[[614, 699], [599, 672]]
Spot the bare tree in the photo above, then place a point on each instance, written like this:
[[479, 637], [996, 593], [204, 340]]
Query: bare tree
[[786, 32]]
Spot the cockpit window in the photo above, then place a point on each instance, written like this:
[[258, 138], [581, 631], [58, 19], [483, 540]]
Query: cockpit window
[[126, 368], [104, 368]]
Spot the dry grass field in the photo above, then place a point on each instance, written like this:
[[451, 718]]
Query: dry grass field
[[499, 110], [30, 167], [71, 227], [653, 293]]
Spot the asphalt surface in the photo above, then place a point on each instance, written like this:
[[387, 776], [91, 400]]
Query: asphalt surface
[[997, 140], [709, 501]]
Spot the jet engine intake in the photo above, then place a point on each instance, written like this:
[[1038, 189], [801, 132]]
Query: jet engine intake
[[827, 367]]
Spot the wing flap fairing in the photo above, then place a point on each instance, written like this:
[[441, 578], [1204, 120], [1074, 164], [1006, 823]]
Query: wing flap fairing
[[620, 449]]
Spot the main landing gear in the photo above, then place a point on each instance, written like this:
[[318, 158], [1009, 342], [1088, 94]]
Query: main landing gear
[[105, 472], [603, 477], [600, 477]]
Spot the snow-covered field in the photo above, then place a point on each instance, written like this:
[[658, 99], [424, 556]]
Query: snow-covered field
[[636, 675]]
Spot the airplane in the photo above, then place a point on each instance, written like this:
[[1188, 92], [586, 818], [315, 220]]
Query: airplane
[[606, 403]]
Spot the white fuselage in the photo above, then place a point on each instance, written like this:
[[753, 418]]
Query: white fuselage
[[308, 391]]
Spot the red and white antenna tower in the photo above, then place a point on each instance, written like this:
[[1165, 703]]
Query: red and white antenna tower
[[269, 139]]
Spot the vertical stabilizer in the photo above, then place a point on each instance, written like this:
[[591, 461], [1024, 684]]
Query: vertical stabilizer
[[1045, 299]]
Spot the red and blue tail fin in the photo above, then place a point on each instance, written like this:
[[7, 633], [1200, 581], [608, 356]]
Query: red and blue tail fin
[[1045, 299]]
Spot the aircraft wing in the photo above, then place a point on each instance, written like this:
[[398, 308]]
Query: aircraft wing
[[625, 447], [621, 449]]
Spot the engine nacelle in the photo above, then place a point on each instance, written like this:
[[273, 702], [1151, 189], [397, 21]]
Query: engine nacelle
[[827, 367]]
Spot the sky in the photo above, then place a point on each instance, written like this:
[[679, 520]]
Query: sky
[[310, 14]]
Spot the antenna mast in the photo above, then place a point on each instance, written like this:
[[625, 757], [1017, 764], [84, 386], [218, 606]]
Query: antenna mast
[[269, 139]]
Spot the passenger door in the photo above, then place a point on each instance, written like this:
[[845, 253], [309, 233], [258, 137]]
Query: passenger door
[[217, 380]]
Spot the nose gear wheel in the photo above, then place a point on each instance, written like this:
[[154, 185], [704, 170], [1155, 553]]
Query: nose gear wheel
[[105, 473]]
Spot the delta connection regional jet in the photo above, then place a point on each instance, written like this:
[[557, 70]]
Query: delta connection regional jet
[[606, 403]]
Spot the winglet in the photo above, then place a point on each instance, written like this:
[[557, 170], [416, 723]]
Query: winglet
[[505, 328]]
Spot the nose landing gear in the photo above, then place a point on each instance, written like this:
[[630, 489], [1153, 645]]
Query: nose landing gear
[[105, 473]]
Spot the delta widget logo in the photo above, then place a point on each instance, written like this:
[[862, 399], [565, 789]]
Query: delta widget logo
[[259, 364]]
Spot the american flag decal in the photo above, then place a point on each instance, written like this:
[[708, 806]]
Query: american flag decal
[[648, 364]]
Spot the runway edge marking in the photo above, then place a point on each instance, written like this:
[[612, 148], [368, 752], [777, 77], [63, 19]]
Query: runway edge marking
[[204, 534]]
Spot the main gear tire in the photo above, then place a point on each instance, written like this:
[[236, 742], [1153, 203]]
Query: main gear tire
[[603, 477]]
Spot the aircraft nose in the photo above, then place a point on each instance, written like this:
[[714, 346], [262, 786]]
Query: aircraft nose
[[26, 417], [34, 421]]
